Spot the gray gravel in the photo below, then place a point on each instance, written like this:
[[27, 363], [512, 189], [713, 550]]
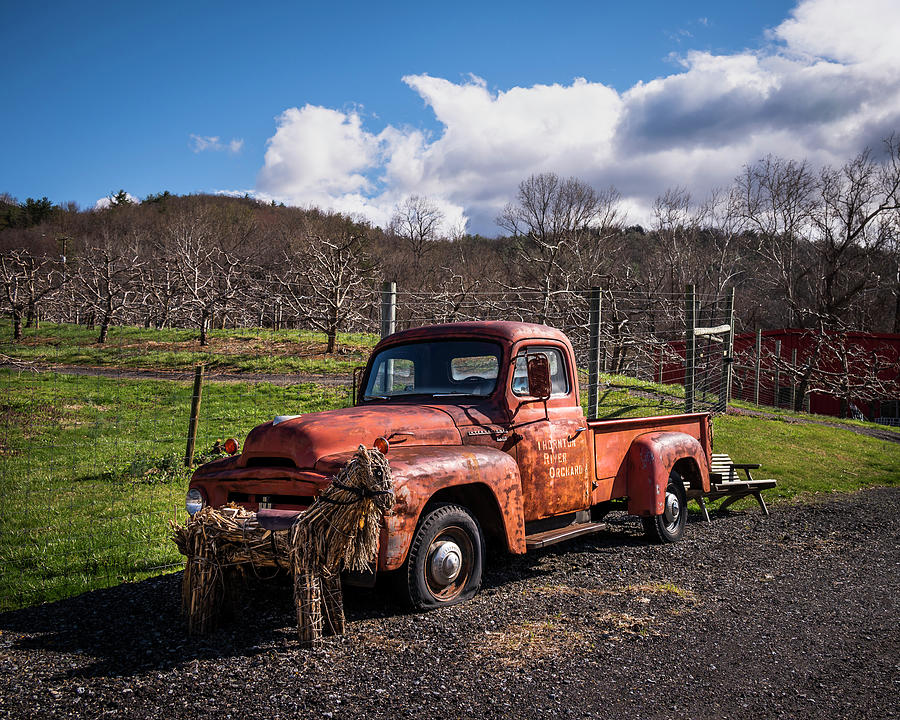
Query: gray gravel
[[790, 616]]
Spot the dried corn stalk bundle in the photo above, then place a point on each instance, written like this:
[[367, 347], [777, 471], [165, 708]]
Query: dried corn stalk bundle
[[214, 540], [340, 529]]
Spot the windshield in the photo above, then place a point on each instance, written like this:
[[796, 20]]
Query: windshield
[[441, 368]]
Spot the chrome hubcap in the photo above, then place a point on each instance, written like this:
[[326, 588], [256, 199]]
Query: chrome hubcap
[[673, 509], [446, 562]]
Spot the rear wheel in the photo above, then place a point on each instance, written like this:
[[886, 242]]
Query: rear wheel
[[669, 527], [445, 558]]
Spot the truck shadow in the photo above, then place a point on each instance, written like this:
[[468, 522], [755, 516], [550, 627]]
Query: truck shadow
[[138, 627], [621, 531]]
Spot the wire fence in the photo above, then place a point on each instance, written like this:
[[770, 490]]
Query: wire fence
[[93, 438]]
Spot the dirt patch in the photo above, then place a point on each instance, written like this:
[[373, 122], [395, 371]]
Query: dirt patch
[[790, 616], [336, 380]]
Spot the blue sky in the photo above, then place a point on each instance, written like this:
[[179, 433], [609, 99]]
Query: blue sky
[[357, 105]]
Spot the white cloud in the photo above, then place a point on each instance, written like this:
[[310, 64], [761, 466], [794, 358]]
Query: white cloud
[[827, 86], [212, 143], [846, 32]]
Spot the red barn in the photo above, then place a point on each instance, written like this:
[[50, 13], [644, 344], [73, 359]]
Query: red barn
[[847, 374]]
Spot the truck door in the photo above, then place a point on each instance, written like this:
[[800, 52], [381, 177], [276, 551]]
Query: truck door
[[552, 448]]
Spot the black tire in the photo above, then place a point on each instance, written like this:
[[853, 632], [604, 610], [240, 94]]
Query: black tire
[[669, 527], [445, 558]]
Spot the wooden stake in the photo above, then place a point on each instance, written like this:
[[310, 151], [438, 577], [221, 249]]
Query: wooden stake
[[195, 414]]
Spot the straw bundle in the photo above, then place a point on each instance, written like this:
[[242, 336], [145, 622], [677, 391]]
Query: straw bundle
[[340, 529]]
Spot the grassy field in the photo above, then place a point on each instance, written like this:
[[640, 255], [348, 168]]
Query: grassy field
[[91, 471], [241, 350], [91, 468]]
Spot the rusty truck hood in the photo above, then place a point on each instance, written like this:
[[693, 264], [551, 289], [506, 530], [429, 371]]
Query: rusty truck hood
[[306, 438]]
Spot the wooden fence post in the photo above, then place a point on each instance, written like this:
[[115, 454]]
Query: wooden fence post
[[594, 353], [690, 347], [758, 364], [195, 414]]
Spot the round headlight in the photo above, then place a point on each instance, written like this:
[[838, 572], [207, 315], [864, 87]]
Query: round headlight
[[194, 501]]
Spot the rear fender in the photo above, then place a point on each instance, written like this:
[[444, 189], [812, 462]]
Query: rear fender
[[421, 473], [651, 458]]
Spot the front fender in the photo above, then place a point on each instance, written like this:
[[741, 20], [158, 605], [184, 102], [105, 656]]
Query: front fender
[[419, 472], [651, 458]]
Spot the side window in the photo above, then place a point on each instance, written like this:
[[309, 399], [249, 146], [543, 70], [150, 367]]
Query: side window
[[558, 375]]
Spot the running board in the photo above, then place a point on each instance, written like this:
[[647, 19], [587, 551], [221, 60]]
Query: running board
[[551, 537]]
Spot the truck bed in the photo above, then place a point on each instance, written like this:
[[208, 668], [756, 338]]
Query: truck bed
[[611, 440]]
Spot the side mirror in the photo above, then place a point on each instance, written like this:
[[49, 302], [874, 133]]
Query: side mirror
[[539, 384]]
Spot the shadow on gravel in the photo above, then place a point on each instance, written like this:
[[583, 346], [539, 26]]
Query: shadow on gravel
[[133, 628], [138, 627], [622, 531]]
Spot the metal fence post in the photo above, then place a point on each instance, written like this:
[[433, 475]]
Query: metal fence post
[[777, 397], [690, 347], [758, 364], [793, 378], [388, 308], [727, 355], [195, 414], [594, 353]]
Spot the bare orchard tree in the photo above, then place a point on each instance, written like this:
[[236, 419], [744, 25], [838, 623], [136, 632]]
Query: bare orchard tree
[[161, 289], [723, 254], [819, 234], [676, 233], [210, 253], [776, 200], [325, 267], [27, 281], [417, 222], [107, 273], [551, 218], [597, 250], [848, 227]]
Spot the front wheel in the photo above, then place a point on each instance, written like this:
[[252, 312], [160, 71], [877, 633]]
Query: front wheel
[[669, 527], [445, 558]]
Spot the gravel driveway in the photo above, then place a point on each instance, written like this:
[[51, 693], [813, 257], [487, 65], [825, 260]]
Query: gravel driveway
[[795, 615]]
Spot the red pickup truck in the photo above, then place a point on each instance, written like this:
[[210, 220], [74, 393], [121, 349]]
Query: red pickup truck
[[487, 442]]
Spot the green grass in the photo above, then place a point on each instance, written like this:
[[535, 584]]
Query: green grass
[[91, 467], [91, 470], [807, 458], [240, 350]]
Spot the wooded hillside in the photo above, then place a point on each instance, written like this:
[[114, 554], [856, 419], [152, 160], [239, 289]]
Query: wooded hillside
[[803, 248]]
